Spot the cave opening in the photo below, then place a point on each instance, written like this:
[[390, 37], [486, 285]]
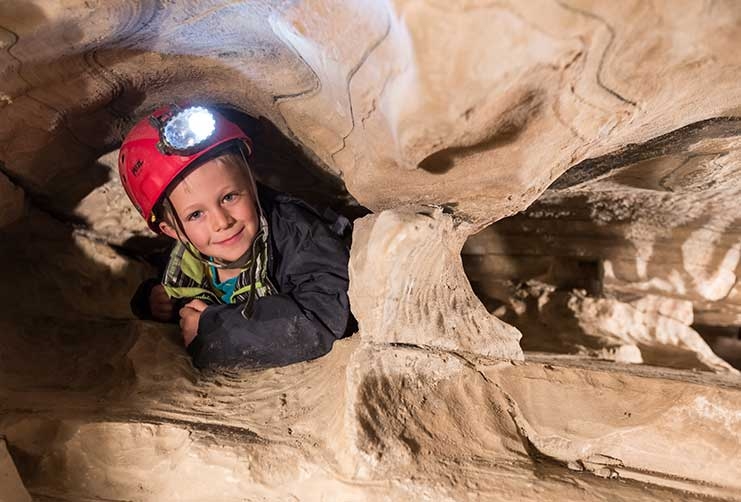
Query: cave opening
[[278, 163], [78, 250], [72, 350], [569, 283]]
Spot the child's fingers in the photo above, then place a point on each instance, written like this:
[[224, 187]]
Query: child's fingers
[[197, 305], [184, 318], [188, 313], [162, 303], [189, 323], [162, 312], [158, 294]]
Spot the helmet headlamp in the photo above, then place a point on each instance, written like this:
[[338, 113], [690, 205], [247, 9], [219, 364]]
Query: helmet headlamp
[[184, 131]]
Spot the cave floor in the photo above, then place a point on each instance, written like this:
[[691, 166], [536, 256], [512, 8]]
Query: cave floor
[[136, 422]]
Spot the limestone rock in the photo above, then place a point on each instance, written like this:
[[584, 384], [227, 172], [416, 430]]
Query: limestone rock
[[649, 329], [106, 210], [368, 422], [410, 111], [11, 486], [653, 220], [619, 118], [11, 201], [407, 286]]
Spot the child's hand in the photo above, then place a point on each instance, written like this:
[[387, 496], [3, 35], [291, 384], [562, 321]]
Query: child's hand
[[189, 317], [160, 305]]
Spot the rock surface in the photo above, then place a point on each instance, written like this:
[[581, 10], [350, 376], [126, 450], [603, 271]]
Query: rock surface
[[618, 120], [366, 422], [419, 287], [654, 222], [11, 486]]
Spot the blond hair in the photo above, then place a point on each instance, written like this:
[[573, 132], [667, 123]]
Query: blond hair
[[232, 156]]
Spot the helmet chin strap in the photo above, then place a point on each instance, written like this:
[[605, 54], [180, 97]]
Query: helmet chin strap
[[249, 256]]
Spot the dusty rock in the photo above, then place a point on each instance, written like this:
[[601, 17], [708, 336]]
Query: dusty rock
[[411, 111], [648, 329], [368, 422], [475, 108], [654, 333], [11, 486], [11, 201], [652, 221], [657, 218], [106, 211]]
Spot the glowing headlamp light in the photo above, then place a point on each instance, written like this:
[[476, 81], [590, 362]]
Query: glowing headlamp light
[[186, 131]]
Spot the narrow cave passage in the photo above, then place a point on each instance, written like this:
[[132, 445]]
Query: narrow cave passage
[[592, 122], [569, 283], [69, 339]]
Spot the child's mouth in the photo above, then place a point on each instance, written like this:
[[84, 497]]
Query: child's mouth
[[232, 239]]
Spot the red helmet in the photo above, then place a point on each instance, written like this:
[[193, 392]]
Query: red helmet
[[163, 145]]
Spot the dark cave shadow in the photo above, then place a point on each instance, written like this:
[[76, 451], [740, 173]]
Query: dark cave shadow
[[277, 160]]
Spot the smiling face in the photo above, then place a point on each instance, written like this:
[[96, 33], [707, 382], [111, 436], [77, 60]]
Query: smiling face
[[217, 209]]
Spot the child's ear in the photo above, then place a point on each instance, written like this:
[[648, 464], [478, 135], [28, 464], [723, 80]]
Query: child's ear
[[168, 230]]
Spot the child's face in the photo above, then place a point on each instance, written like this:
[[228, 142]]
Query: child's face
[[215, 204]]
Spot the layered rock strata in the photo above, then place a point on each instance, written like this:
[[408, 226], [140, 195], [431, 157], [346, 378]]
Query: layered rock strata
[[441, 118], [650, 229], [369, 422]]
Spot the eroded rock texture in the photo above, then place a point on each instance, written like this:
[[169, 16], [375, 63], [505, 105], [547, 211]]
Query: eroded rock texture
[[650, 230], [419, 288], [612, 125]]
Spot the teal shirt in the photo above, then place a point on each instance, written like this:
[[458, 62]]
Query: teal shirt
[[224, 289]]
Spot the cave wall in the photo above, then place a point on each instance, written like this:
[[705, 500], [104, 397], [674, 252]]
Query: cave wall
[[395, 101], [651, 229], [440, 118]]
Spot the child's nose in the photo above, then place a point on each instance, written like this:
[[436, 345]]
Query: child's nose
[[221, 219]]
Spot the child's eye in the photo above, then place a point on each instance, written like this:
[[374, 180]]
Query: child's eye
[[231, 196], [194, 215]]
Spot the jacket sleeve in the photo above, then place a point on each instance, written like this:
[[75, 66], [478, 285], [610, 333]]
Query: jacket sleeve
[[299, 323], [140, 301]]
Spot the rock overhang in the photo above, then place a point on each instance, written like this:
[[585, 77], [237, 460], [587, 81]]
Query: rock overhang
[[420, 109]]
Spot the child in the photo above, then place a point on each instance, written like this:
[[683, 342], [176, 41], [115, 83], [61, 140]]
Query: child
[[259, 278]]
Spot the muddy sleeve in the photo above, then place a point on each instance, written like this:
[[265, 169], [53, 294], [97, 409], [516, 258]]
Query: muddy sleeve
[[300, 323]]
